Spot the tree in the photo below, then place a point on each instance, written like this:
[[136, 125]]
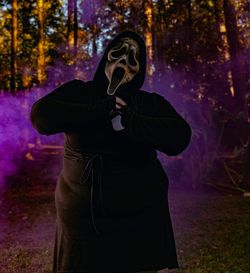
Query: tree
[[72, 26], [234, 49], [40, 47], [149, 37], [13, 47]]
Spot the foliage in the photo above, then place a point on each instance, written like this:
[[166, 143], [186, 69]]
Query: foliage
[[198, 54]]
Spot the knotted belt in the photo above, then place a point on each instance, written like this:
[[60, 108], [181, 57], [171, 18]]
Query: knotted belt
[[89, 169], [92, 168]]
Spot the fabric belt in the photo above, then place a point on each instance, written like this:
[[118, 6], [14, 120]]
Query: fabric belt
[[93, 169], [90, 169]]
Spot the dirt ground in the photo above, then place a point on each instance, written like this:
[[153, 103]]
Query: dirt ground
[[211, 228]]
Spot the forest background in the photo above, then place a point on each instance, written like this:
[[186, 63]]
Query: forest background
[[198, 58]]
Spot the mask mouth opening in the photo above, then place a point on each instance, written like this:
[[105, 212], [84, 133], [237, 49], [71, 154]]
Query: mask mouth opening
[[116, 80]]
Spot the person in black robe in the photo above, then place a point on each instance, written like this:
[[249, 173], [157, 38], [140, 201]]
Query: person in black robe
[[111, 195]]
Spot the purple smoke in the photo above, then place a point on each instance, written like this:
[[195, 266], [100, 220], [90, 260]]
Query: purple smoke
[[18, 139], [17, 136]]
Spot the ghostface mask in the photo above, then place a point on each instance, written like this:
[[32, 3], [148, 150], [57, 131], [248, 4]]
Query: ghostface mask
[[122, 63]]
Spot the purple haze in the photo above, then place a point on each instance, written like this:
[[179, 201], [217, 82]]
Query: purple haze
[[17, 134]]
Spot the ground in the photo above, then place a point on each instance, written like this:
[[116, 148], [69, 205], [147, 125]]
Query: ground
[[211, 228]]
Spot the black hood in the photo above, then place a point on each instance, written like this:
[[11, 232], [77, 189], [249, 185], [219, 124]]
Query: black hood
[[100, 81]]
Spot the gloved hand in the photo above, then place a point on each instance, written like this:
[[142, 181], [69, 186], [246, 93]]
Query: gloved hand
[[115, 115]]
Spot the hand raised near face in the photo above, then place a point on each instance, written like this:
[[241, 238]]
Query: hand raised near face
[[116, 115], [119, 102]]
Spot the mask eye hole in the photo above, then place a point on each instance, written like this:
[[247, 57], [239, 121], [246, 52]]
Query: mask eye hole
[[117, 53], [131, 58]]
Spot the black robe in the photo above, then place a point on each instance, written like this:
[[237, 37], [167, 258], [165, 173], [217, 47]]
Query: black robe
[[111, 195]]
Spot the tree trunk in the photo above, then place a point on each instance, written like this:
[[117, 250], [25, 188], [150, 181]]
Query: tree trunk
[[149, 38], [225, 99], [94, 30], [40, 50], [160, 40], [234, 48], [193, 66], [13, 65], [72, 26]]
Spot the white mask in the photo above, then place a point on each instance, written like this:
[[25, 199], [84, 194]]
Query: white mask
[[122, 64]]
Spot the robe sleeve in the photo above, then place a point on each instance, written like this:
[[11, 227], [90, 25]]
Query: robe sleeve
[[165, 130], [56, 113]]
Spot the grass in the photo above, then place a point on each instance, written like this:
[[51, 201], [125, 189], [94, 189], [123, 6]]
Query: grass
[[212, 230], [22, 258]]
